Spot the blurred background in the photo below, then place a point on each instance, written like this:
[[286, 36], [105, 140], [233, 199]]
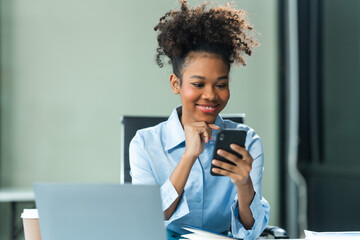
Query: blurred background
[[70, 69]]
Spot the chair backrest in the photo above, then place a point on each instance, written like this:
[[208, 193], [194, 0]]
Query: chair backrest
[[130, 124]]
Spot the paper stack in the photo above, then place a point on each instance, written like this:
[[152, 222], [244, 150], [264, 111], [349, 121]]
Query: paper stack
[[201, 234], [310, 235]]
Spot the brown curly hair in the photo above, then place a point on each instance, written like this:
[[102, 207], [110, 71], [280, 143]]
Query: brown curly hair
[[224, 31]]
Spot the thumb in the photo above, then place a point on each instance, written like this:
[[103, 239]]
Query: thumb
[[213, 126]]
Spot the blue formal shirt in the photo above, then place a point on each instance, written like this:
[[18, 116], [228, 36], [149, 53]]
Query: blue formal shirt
[[208, 202]]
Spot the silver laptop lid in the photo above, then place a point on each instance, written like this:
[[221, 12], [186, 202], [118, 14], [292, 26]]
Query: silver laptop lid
[[99, 211]]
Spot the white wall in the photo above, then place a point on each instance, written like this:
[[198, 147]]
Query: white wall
[[71, 68]]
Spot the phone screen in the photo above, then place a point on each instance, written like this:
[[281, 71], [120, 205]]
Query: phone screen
[[224, 139]]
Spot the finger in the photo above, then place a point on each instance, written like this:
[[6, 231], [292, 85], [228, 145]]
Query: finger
[[241, 150], [208, 131], [224, 172], [205, 134], [228, 174], [224, 165], [213, 126], [204, 130], [243, 169], [220, 171], [238, 148], [229, 156]]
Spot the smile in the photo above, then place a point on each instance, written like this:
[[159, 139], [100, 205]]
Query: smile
[[207, 108]]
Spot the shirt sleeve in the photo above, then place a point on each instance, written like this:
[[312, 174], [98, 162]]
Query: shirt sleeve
[[182, 208], [139, 163], [261, 212], [260, 208], [142, 173]]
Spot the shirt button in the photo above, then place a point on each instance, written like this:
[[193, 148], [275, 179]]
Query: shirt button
[[198, 200]]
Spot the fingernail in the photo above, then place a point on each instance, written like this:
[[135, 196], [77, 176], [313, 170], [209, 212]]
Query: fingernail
[[219, 151]]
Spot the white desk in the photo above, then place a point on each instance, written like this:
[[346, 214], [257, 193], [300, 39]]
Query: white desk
[[14, 196]]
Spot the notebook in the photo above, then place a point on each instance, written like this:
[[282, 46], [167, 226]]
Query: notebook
[[99, 211]]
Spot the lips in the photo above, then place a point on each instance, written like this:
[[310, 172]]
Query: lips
[[207, 108]]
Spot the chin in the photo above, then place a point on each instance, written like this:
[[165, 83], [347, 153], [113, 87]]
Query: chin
[[207, 119]]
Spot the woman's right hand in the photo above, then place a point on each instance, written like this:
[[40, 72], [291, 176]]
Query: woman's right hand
[[196, 135]]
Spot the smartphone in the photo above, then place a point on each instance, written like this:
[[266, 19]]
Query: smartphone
[[224, 139]]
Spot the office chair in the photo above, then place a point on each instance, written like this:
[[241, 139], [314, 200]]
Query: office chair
[[130, 124]]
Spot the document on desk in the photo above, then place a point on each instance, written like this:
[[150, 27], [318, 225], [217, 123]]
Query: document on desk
[[201, 234], [310, 235]]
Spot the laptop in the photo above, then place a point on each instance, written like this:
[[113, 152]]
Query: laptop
[[99, 211]]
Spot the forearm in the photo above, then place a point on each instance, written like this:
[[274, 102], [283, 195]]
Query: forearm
[[246, 194], [179, 178]]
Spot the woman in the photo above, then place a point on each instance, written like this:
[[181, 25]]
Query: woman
[[201, 44]]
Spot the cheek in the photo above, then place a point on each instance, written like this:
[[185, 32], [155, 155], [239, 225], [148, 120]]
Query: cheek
[[188, 93], [225, 95]]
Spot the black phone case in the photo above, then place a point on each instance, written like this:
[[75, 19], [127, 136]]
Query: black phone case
[[223, 140]]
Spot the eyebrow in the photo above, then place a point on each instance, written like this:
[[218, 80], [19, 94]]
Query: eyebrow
[[203, 78]]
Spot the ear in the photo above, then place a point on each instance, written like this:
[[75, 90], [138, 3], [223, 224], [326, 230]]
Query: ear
[[175, 83]]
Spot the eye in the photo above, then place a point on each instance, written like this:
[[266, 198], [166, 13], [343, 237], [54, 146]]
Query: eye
[[198, 85], [223, 85]]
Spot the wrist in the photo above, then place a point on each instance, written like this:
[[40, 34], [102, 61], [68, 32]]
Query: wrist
[[245, 193], [245, 183], [189, 157]]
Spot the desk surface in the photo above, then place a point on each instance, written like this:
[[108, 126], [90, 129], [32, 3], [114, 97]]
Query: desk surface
[[27, 195], [16, 195]]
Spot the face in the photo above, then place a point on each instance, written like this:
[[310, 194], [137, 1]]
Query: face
[[204, 90]]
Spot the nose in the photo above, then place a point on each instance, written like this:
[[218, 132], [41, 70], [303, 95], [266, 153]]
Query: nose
[[209, 94]]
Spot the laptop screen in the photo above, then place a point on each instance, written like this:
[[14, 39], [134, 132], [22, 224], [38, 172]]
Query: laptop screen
[[99, 211]]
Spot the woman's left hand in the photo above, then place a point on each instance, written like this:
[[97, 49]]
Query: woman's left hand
[[240, 172]]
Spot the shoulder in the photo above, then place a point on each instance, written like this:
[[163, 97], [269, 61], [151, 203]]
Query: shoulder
[[253, 141], [148, 134], [249, 131]]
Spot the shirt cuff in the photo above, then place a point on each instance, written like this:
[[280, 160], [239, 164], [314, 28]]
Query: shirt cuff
[[260, 210], [168, 196]]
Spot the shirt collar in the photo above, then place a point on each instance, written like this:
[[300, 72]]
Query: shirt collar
[[174, 133]]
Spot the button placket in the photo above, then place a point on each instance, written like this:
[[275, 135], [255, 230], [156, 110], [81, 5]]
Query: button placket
[[200, 199]]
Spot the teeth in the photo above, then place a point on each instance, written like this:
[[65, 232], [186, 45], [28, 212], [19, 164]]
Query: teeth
[[207, 107]]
